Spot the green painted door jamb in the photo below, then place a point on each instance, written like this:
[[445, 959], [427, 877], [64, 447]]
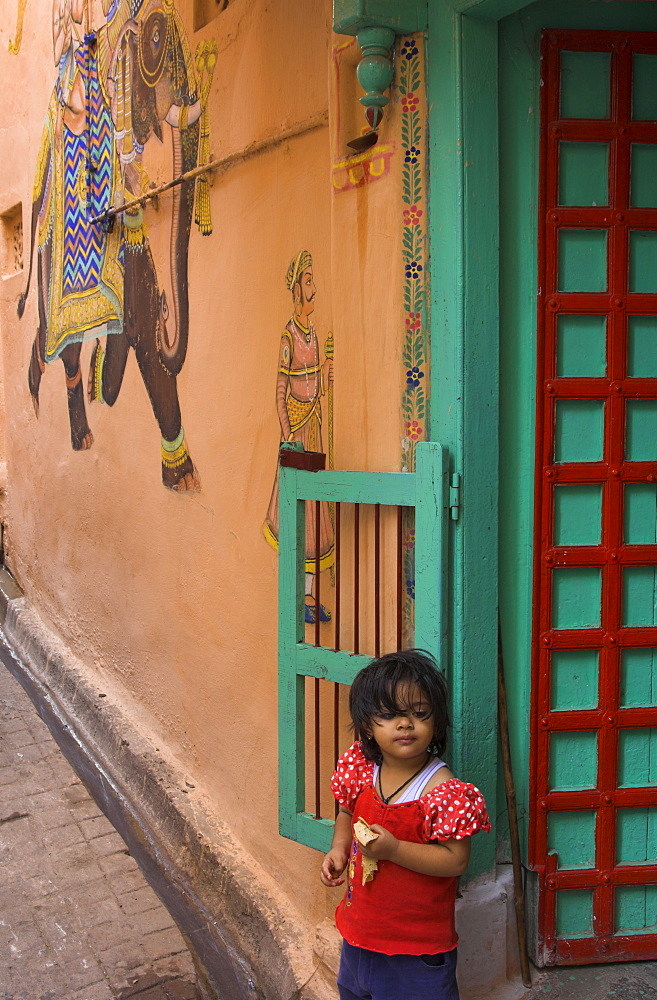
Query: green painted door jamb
[[463, 235]]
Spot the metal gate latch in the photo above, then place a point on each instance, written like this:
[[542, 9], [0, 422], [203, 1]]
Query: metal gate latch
[[455, 496]]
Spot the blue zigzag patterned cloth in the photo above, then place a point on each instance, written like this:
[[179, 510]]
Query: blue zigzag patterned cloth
[[88, 167]]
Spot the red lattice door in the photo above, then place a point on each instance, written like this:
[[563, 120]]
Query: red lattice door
[[593, 831]]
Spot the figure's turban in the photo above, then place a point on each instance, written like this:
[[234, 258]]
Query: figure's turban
[[297, 266]]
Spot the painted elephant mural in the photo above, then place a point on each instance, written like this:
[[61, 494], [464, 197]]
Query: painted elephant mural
[[117, 88]]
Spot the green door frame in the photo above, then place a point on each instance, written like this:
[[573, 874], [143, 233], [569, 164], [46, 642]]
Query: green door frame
[[464, 235]]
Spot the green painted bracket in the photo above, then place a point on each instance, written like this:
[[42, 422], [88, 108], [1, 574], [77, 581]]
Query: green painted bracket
[[375, 24], [403, 16], [375, 70]]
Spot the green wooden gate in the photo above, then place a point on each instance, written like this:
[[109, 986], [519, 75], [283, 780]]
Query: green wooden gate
[[425, 493]]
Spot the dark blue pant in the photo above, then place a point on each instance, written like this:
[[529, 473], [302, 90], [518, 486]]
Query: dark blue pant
[[369, 975]]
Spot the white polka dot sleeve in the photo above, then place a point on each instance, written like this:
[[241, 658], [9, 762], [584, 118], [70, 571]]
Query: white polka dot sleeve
[[454, 810], [352, 774]]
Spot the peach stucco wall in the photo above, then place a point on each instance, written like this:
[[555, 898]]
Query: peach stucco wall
[[173, 598]]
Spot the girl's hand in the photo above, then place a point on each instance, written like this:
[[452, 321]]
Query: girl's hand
[[333, 865], [384, 847]]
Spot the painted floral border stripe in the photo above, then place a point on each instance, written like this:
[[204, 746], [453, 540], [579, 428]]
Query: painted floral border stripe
[[415, 351]]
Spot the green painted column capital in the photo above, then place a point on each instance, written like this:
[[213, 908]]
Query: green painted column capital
[[401, 16]]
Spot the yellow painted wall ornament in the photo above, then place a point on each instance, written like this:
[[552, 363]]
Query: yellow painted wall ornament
[[14, 46]]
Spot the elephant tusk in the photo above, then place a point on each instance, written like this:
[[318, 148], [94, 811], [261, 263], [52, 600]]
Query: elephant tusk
[[169, 345], [193, 114]]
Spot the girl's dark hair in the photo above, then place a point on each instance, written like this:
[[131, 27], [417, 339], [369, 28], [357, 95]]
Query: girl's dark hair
[[375, 690]]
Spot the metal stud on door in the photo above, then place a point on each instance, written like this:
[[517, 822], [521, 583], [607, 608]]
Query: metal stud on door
[[593, 831]]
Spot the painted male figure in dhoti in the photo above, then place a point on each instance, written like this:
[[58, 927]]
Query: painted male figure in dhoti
[[302, 379]]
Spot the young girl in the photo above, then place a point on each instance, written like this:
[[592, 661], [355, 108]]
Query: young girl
[[398, 928]]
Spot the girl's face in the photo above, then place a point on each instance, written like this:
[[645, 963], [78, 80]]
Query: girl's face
[[406, 735]]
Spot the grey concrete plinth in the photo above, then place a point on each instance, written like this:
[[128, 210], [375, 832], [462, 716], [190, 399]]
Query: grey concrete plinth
[[488, 953]]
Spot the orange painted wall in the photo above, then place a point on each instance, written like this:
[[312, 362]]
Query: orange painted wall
[[173, 598]]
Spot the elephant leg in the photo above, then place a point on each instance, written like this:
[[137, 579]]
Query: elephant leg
[[178, 471], [81, 436], [107, 369], [142, 318]]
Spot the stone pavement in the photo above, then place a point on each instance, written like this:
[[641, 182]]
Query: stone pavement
[[622, 981], [77, 919]]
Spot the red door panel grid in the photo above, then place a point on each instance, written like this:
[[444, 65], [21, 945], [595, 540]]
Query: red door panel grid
[[593, 822]]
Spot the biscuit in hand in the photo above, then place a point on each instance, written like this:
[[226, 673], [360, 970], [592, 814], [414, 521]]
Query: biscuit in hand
[[365, 835]]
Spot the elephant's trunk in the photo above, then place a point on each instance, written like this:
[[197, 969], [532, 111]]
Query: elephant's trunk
[[36, 208], [174, 329]]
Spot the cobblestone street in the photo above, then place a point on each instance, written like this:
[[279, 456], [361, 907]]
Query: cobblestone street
[[77, 919]]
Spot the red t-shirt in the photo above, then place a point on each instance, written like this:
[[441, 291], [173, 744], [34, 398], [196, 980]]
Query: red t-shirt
[[401, 912]]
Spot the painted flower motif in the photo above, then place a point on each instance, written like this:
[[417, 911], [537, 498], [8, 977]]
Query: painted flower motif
[[413, 322], [412, 154], [410, 589], [410, 539], [414, 430], [412, 215], [413, 376], [409, 102], [409, 49], [413, 270]]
